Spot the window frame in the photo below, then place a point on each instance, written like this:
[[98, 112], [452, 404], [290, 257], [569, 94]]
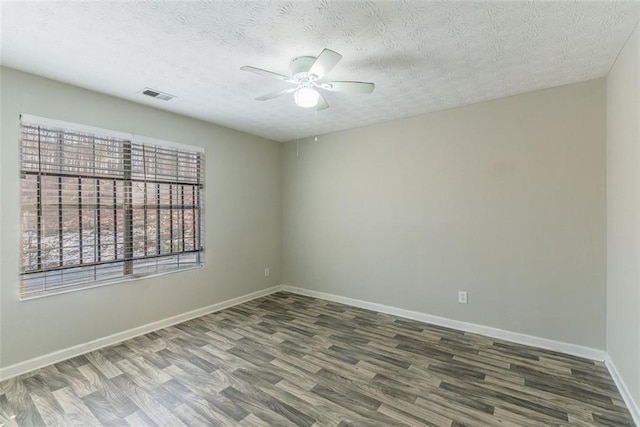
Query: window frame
[[129, 144]]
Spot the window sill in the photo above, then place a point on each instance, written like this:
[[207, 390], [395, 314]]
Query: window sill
[[83, 287]]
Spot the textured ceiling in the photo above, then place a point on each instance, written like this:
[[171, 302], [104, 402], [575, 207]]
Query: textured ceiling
[[423, 56]]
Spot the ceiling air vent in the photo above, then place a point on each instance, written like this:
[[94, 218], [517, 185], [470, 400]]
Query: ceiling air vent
[[156, 94]]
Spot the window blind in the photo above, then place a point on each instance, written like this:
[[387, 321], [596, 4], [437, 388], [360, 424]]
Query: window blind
[[98, 207]]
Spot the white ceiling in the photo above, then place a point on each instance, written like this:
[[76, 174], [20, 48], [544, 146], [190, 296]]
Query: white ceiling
[[423, 56]]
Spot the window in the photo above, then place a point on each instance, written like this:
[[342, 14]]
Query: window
[[100, 206]]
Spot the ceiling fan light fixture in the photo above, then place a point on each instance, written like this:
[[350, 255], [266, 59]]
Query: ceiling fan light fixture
[[306, 97]]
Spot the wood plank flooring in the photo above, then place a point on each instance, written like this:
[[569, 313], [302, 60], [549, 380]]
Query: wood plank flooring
[[286, 359]]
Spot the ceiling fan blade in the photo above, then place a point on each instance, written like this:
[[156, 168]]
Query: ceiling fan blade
[[276, 94], [324, 63], [266, 73], [322, 103], [349, 87]]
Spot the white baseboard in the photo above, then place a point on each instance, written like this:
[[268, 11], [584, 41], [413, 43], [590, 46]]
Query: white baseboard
[[58, 356], [67, 353], [573, 349], [632, 405]]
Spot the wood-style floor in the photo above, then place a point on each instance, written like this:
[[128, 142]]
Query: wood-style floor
[[287, 359]]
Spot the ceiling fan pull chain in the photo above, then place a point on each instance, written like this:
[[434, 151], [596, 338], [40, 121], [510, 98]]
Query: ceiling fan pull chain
[[315, 125]]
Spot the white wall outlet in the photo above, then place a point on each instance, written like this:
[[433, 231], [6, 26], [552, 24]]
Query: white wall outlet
[[462, 297], [267, 272]]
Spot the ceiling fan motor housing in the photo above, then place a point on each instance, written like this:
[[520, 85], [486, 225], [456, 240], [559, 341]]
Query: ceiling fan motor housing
[[300, 68]]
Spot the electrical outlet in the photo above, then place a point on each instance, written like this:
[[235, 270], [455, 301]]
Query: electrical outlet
[[462, 297], [266, 272]]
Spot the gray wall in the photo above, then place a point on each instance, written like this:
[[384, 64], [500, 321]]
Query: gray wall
[[503, 199], [242, 225], [623, 215]]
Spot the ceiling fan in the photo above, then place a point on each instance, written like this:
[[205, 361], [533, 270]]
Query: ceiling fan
[[306, 71]]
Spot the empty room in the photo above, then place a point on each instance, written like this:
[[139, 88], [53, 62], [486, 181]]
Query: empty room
[[320, 213]]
